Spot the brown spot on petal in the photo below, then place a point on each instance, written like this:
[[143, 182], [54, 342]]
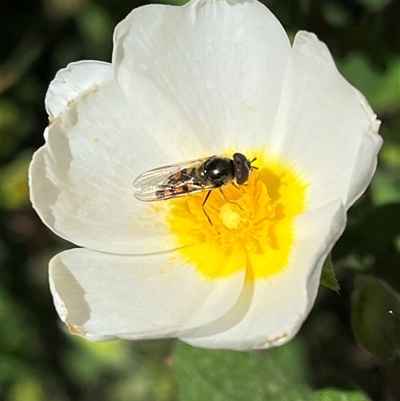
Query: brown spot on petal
[[93, 88], [51, 120], [74, 329], [276, 339], [71, 102]]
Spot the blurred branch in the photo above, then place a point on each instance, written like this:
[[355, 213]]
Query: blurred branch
[[20, 60]]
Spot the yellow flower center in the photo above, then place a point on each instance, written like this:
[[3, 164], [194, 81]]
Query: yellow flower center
[[252, 225]]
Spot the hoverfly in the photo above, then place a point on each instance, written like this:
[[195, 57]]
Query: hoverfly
[[192, 176]]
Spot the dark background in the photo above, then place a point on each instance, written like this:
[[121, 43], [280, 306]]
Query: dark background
[[351, 338]]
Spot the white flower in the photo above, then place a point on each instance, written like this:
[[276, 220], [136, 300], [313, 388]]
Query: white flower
[[211, 77]]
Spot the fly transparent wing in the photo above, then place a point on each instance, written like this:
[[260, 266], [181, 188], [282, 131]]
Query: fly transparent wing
[[177, 190], [167, 182], [161, 174]]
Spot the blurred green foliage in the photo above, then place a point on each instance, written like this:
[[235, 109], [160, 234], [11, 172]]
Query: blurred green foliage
[[257, 376], [351, 338], [230, 375], [376, 316]]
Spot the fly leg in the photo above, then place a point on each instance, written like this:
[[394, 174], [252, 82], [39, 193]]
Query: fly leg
[[203, 204], [230, 201]]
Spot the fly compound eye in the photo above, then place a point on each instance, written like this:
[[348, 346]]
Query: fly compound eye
[[242, 168]]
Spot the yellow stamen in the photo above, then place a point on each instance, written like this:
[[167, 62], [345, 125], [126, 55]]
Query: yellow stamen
[[252, 224]]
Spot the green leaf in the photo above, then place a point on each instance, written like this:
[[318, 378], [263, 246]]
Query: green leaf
[[328, 278], [339, 395], [205, 375], [376, 316]]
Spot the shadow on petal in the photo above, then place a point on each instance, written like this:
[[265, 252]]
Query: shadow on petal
[[69, 296]]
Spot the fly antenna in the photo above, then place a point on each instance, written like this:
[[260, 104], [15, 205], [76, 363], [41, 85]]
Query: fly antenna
[[251, 161]]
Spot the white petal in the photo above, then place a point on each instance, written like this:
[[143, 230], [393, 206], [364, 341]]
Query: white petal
[[91, 208], [81, 181], [366, 160], [73, 82], [102, 296], [273, 310], [324, 127], [219, 64]]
